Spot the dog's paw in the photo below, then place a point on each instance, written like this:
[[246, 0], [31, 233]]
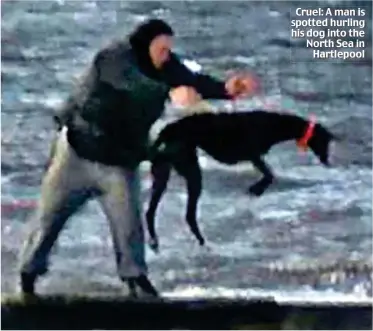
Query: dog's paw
[[205, 249], [201, 241], [154, 245], [256, 190]]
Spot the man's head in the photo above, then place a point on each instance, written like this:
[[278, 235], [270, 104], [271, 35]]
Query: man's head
[[152, 40]]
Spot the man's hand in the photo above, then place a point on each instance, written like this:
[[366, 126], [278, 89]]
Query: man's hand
[[184, 96], [242, 85]]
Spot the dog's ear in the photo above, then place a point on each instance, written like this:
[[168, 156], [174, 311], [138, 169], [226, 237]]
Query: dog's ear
[[320, 143], [333, 141]]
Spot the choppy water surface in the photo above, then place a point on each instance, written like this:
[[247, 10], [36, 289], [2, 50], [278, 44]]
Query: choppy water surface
[[312, 218]]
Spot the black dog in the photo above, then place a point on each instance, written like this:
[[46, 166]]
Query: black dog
[[229, 138]]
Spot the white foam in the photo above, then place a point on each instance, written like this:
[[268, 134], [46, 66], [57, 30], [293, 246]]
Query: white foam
[[303, 296]]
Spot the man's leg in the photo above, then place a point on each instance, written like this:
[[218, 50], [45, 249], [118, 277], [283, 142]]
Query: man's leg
[[122, 205], [62, 193]]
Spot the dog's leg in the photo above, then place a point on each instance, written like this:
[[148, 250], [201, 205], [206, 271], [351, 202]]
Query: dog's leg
[[187, 166], [160, 170], [260, 186]]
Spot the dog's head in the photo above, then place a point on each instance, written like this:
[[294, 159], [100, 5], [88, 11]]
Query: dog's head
[[320, 143]]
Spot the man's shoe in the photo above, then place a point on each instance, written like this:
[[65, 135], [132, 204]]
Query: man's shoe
[[144, 283], [28, 283], [131, 283]]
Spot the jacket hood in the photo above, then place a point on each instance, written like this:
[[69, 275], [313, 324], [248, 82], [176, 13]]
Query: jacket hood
[[140, 40]]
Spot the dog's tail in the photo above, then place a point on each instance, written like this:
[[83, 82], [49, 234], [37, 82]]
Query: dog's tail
[[161, 144], [155, 149], [161, 139]]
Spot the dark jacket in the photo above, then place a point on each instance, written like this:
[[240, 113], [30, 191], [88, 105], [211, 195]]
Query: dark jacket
[[110, 114]]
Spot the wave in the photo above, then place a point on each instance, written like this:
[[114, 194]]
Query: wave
[[304, 295]]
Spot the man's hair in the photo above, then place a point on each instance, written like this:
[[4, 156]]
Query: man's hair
[[143, 35], [140, 40]]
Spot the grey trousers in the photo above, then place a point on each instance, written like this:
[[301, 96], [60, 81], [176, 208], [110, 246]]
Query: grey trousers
[[70, 181]]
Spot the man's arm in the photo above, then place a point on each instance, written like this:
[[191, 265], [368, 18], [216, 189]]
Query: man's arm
[[177, 74]]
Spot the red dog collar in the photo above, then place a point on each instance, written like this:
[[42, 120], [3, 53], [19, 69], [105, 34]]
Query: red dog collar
[[302, 143]]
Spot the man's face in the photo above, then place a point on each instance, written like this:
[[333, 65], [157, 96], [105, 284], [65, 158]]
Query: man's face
[[160, 49]]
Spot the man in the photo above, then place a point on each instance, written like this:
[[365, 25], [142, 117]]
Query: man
[[103, 137]]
